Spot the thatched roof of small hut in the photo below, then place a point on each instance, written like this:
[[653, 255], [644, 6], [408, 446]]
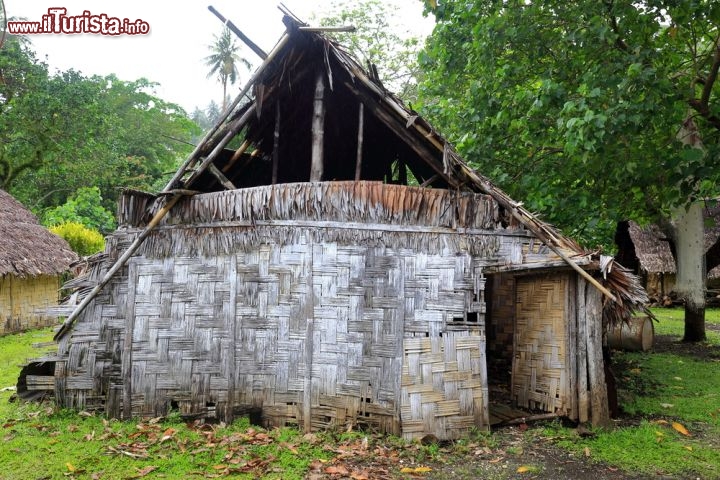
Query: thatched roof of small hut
[[651, 247], [26, 247]]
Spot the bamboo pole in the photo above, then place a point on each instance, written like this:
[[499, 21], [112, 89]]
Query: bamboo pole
[[117, 266], [236, 126], [361, 126], [220, 177], [318, 132], [238, 153]]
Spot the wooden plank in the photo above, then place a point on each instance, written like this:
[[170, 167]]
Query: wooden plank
[[318, 130], [571, 346], [231, 324], [126, 367], [599, 409], [358, 156], [583, 403]]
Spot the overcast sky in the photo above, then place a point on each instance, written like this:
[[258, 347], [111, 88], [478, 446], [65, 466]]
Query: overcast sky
[[180, 33]]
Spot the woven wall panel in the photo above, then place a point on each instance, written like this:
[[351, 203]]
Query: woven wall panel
[[444, 390], [215, 335], [539, 373]]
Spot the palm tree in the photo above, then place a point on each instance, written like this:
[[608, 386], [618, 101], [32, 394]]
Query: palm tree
[[223, 61]]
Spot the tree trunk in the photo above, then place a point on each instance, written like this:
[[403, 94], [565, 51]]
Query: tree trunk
[[689, 234]]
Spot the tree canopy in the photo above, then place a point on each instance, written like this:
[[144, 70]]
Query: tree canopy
[[577, 107], [64, 131]]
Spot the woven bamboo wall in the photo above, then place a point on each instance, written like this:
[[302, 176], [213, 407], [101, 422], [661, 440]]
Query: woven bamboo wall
[[22, 299], [359, 315], [195, 348], [540, 372]]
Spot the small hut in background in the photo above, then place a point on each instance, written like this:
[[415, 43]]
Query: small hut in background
[[32, 261], [327, 259], [647, 252]]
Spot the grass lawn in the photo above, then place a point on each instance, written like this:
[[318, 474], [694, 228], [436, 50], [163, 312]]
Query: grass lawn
[[670, 427], [671, 403]]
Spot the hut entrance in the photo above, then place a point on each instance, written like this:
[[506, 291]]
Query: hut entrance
[[500, 331], [526, 345]]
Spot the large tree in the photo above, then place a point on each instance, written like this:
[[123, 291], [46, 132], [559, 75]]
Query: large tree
[[591, 111], [62, 132], [223, 61]]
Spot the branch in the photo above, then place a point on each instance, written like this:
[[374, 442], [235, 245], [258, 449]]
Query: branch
[[704, 111], [712, 76], [619, 42]]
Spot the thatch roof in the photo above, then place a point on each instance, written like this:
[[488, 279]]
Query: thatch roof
[[652, 248], [26, 247]]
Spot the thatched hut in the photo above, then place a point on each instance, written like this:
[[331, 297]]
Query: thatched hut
[[32, 260], [326, 258], [647, 252]]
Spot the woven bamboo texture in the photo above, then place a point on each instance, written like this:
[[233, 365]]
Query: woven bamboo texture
[[444, 384], [540, 369], [224, 334], [374, 319], [23, 301]]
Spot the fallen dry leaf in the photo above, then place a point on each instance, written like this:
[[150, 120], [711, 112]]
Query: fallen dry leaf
[[70, 467], [145, 470], [337, 470], [680, 428], [586, 451], [523, 469]]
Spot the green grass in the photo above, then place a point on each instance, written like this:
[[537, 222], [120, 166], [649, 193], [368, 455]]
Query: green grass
[[16, 349], [671, 322], [38, 441], [662, 390]]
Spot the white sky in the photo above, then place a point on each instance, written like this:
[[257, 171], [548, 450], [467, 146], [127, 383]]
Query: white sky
[[180, 32]]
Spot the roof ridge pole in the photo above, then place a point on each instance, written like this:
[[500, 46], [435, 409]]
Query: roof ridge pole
[[253, 46], [195, 153]]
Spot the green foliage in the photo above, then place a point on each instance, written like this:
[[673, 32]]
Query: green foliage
[[575, 107], [83, 240], [379, 40], [64, 131], [84, 207]]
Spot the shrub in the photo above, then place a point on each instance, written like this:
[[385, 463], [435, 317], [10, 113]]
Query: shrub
[[84, 207], [83, 240]]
